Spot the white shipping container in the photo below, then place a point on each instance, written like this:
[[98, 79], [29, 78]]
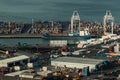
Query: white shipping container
[[66, 53], [76, 53], [116, 49], [30, 65], [26, 76], [44, 68], [79, 46], [17, 68]]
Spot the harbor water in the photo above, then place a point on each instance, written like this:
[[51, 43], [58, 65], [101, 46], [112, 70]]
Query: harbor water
[[14, 41]]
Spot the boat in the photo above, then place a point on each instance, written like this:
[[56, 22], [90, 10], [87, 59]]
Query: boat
[[65, 37]]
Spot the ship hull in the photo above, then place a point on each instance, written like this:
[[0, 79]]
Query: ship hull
[[68, 37]]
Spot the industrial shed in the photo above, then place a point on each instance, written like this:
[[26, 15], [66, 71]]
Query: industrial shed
[[73, 62], [13, 60]]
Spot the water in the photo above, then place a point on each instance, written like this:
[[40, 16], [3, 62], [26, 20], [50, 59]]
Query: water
[[25, 10], [14, 41]]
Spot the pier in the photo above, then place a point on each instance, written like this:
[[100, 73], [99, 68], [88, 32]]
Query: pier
[[22, 36]]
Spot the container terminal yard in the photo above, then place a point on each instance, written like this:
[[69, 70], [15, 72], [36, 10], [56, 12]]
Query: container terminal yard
[[94, 56]]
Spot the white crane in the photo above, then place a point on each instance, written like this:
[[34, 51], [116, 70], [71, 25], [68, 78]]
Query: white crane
[[75, 21], [108, 17]]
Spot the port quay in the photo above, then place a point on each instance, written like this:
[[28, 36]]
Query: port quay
[[95, 55], [22, 36]]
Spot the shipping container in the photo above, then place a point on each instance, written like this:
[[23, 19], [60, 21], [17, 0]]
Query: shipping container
[[85, 71], [17, 68], [33, 65], [36, 65], [30, 65], [101, 55]]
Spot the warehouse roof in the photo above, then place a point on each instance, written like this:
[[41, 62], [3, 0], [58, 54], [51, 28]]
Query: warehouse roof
[[14, 59], [78, 60]]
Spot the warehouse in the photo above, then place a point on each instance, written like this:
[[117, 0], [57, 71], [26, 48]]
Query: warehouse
[[73, 62], [13, 61]]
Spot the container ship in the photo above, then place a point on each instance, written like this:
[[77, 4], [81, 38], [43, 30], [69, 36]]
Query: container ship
[[75, 30], [68, 36]]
